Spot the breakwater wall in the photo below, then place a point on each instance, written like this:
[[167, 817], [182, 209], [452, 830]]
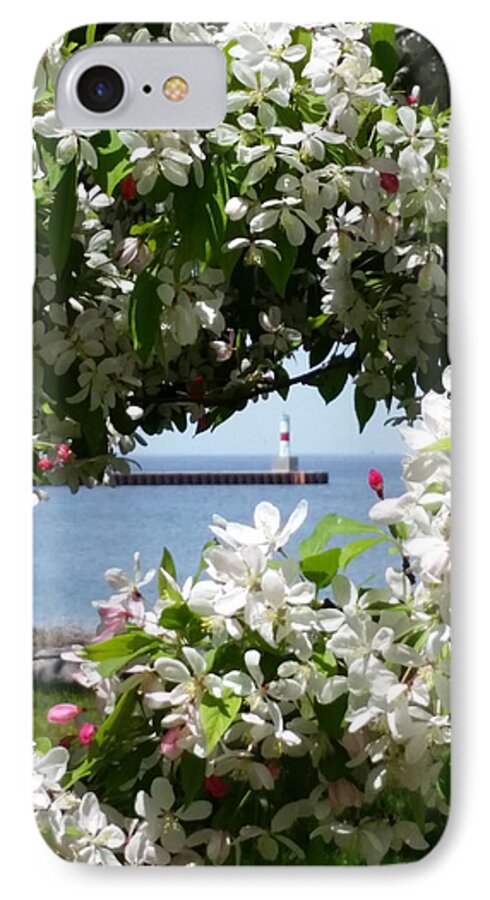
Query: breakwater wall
[[222, 478]]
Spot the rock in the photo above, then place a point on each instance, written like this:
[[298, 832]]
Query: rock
[[50, 668]]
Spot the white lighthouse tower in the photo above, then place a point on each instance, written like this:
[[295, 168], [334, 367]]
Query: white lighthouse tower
[[284, 462]]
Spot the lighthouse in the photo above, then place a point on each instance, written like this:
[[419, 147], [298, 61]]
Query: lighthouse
[[284, 462]]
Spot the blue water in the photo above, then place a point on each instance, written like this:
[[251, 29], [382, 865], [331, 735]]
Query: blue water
[[77, 537]]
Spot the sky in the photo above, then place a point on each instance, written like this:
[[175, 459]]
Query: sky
[[315, 428]]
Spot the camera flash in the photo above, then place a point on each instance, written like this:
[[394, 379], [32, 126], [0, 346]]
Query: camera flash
[[175, 88]]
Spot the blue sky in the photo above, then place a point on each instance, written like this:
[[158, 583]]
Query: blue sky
[[315, 428]]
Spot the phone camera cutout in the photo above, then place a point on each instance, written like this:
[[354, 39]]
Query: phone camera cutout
[[147, 88], [100, 89], [175, 89]]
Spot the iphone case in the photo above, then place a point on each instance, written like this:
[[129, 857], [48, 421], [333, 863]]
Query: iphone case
[[225, 322]]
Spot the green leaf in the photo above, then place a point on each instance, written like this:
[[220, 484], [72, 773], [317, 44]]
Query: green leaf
[[117, 652], [383, 43], [115, 175], [331, 525], [215, 208], [63, 216], [279, 270], [90, 34], [381, 31], [176, 617], [113, 163], [385, 58], [331, 716], [320, 348], [444, 444], [311, 107], [154, 227], [364, 406], [43, 745], [325, 662], [202, 561], [322, 568], [217, 714], [55, 172], [444, 782], [200, 217], [316, 852], [166, 590], [335, 766], [389, 114], [119, 645], [192, 770], [107, 737], [303, 36], [317, 321], [350, 551], [118, 778], [332, 381], [228, 656], [180, 618], [144, 314], [116, 724]]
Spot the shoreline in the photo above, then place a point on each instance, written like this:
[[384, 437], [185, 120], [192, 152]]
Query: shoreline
[[60, 637], [48, 668]]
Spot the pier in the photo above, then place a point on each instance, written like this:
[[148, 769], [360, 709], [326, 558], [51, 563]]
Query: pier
[[293, 477], [284, 470]]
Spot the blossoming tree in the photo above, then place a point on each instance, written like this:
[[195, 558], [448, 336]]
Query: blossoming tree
[[268, 711], [318, 221]]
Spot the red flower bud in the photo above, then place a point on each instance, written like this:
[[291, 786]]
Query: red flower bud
[[196, 390], [376, 482], [128, 188], [216, 786], [274, 768], [64, 453], [202, 424], [413, 97], [45, 464], [390, 183]]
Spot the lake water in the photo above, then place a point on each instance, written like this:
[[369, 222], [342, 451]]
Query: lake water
[[77, 537]]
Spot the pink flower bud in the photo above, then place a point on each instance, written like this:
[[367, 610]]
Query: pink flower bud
[[45, 464], [343, 793], [63, 712], [87, 733], [169, 743], [389, 182], [274, 768], [376, 482], [354, 742], [216, 786]]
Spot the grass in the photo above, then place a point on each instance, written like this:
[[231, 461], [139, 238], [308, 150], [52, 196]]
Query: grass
[[45, 696]]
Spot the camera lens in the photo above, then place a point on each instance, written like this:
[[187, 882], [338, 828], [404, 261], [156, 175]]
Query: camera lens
[[100, 89]]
